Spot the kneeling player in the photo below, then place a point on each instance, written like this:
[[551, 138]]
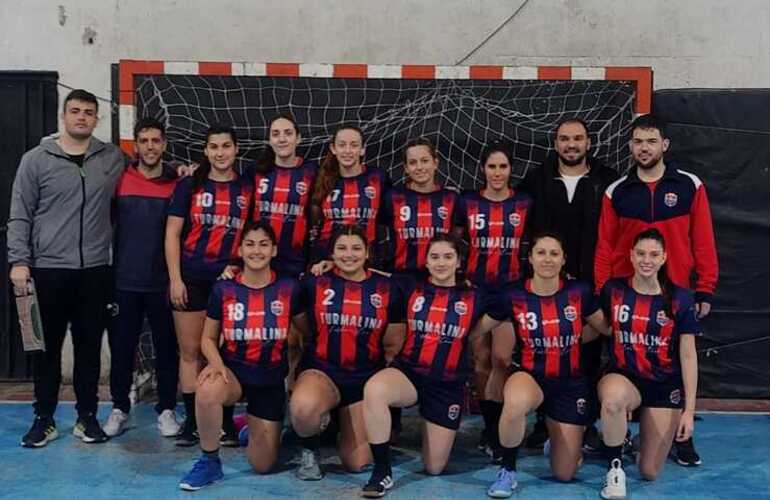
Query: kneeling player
[[354, 315], [252, 314], [431, 369], [548, 313]]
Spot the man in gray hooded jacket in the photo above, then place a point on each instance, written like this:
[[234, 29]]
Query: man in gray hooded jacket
[[59, 234]]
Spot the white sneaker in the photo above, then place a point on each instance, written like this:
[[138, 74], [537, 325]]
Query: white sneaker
[[168, 424], [116, 423], [615, 483]]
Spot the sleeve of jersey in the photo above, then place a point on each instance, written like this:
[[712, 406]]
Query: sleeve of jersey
[[608, 223], [214, 307], [179, 206], [396, 304], [704, 247], [686, 316], [459, 217], [498, 306], [589, 300], [603, 300]]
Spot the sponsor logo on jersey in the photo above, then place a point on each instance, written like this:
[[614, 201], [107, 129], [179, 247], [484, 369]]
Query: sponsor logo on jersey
[[300, 188], [453, 412], [443, 212], [675, 397], [240, 201], [376, 300], [370, 192], [514, 219], [580, 406], [570, 313], [461, 308], [661, 318], [276, 307], [670, 199]]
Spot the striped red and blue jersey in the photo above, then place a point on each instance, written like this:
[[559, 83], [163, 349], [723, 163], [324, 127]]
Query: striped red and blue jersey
[[255, 327], [549, 328], [214, 215], [495, 230], [282, 199], [353, 200], [439, 321], [140, 223], [348, 320], [645, 340], [413, 219]]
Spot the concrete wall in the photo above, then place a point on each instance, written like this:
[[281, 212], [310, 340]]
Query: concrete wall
[[689, 43]]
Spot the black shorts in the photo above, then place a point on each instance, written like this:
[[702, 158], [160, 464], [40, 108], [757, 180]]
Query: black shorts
[[566, 400], [657, 393], [350, 392], [198, 292], [441, 402], [267, 402]]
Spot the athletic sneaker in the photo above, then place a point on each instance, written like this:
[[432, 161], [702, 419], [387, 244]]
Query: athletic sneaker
[[229, 436], [116, 423], [205, 471], [188, 435], [504, 484], [43, 431], [88, 430], [615, 482], [243, 436], [592, 442], [168, 424], [378, 485], [308, 469], [685, 454]]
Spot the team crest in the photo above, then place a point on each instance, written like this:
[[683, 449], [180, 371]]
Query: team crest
[[670, 199], [370, 192], [442, 212], [376, 300], [580, 406], [461, 308], [453, 412], [661, 318], [300, 188], [514, 218], [276, 307], [675, 397], [570, 313], [241, 201]]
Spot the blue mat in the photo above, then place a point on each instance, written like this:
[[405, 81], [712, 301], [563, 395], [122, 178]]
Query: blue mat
[[140, 464]]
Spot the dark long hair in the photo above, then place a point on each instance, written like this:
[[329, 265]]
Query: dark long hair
[[663, 280], [497, 147], [459, 247], [267, 156], [330, 167], [202, 172], [554, 236]]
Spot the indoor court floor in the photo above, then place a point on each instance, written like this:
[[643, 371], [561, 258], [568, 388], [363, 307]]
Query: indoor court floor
[[735, 449]]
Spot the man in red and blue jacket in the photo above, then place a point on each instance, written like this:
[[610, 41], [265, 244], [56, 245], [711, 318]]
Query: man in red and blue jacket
[[657, 194]]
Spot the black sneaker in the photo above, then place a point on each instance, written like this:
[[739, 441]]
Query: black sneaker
[[42, 431], [378, 485], [87, 428], [188, 435], [538, 437], [229, 436], [684, 453]]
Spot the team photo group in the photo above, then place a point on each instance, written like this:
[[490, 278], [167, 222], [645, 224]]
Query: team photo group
[[328, 296]]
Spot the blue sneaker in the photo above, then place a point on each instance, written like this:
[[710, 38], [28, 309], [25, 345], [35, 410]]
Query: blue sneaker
[[205, 471], [504, 484], [243, 436]]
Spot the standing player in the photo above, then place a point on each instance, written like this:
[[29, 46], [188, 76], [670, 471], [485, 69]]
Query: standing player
[[141, 280], [654, 365], [205, 217], [282, 184], [431, 369], [250, 317], [548, 313], [495, 219], [567, 191], [59, 234], [354, 316], [656, 194], [346, 191]]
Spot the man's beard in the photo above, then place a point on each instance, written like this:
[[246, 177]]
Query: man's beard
[[573, 163], [151, 165], [649, 165], [79, 136]]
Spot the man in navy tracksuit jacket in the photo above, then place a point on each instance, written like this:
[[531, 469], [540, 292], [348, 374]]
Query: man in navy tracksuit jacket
[[141, 279]]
